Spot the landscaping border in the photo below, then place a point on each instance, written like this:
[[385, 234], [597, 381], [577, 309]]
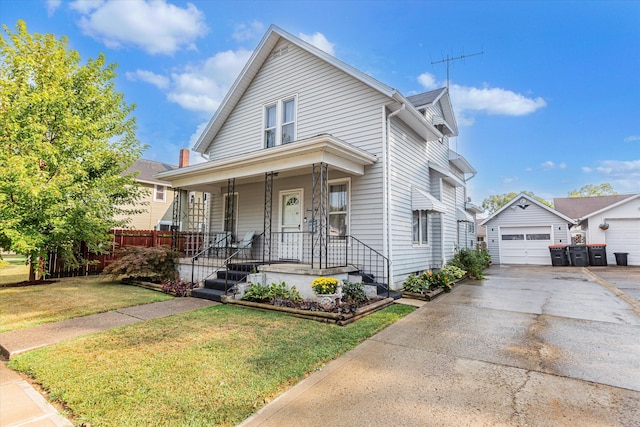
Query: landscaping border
[[340, 319]]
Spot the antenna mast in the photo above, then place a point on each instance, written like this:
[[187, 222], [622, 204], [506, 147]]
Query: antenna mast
[[448, 60]]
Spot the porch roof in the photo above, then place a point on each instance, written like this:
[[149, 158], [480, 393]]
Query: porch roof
[[294, 157]]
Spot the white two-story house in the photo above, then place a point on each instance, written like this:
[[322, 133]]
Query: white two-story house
[[329, 166]]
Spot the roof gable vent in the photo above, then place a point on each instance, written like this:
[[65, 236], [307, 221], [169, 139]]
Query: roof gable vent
[[280, 52]]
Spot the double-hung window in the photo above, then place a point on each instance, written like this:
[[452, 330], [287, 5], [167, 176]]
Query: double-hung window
[[159, 193], [420, 226], [339, 209], [280, 122]]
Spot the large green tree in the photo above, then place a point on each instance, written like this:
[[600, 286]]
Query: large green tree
[[591, 190], [494, 202], [66, 137]]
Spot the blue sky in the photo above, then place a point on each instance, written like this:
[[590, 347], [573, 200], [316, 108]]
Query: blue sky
[[552, 104]]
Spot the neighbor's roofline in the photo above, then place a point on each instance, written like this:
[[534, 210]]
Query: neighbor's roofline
[[532, 200], [615, 205]]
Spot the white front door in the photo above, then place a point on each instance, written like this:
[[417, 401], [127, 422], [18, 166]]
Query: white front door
[[290, 241]]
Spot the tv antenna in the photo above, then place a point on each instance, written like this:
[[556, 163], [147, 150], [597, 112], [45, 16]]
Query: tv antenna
[[448, 60]]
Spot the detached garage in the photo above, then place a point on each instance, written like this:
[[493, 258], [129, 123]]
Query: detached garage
[[617, 225], [522, 231]]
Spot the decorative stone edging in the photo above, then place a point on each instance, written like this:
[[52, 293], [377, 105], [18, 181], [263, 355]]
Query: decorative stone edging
[[340, 319]]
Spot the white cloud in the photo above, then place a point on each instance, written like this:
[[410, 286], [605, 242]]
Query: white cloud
[[552, 165], [202, 86], [624, 176], [494, 101], [632, 138], [195, 135], [153, 26], [244, 32], [159, 81], [508, 179], [52, 6], [428, 81], [319, 41]]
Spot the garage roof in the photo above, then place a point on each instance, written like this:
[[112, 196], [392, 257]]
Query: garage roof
[[522, 200]]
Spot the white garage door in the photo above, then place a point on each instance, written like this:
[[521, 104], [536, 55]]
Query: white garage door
[[623, 235], [525, 245]]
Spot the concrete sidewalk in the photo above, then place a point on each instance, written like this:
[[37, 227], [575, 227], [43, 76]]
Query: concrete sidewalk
[[20, 403]]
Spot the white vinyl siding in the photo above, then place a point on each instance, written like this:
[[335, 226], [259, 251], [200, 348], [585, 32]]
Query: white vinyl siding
[[532, 216], [328, 101]]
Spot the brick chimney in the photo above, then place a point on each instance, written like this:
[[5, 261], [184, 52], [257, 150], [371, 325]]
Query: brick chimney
[[184, 158]]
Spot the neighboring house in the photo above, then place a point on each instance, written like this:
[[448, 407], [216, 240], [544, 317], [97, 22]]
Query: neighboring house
[[522, 231], [612, 220], [156, 203], [481, 232], [322, 160]]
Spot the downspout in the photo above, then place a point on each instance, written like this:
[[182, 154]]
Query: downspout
[[387, 188]]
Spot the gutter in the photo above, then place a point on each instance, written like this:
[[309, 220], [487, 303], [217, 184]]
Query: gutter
[[386, 152]]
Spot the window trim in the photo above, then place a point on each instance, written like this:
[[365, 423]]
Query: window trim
[[279, 104], [155, 193], [422, 241], [340, 181]]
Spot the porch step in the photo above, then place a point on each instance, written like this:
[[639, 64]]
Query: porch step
[[210, 294], [219, 284], [382, 291]]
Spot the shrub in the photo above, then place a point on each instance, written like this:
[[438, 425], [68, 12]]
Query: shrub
[[473, 261], [354, 293], [274, 292], [324, 285], [157, 263], [178, 288], [415, 284]]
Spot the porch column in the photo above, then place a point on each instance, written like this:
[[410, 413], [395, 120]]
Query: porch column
[[319, 214], [175, 220], [230, 214], [268, 213]]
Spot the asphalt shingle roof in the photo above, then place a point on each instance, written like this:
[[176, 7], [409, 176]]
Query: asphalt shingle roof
[[148, 169], [579, 207], [425, 98]]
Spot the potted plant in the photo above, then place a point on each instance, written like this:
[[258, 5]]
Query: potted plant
[[604, 226], [327, 290]]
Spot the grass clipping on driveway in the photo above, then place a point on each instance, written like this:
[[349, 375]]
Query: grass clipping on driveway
[[214, 366], [28, 306]]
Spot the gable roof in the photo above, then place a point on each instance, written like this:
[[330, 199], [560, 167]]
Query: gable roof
[[532, 200], [273, 35], [148, 169], [581, 207], [426, 99]]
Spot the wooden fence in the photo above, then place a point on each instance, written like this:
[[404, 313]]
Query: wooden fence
[[185, 244]]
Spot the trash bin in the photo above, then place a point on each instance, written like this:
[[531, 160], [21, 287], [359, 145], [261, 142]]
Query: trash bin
[[559, 255], [597, 254], [621, 258], [579, 255]]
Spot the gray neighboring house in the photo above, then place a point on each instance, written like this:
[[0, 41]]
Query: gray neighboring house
[[522, 231], [610, 220], [319, 159]]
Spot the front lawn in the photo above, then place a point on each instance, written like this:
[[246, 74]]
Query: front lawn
[[214, 366], [68, 298], [13, 269]]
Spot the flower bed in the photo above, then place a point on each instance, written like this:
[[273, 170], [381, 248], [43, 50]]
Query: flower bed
[[428, 285], [338, 318]]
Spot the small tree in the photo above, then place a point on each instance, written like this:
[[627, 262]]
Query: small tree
[[591, 190], [494, 202], [66, 137]]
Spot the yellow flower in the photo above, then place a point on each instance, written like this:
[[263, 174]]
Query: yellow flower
[[324, 285]]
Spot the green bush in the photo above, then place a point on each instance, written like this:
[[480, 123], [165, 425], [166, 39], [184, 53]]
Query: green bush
[[354, 293], [416, 284], [157, 263], [474, 261], [275, 291]]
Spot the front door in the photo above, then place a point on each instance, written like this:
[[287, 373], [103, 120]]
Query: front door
[[290, 241]]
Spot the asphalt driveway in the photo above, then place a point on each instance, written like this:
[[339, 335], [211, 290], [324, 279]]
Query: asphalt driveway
[[543, 346]]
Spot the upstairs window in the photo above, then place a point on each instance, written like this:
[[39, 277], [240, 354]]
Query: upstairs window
[[280, 122], [159, 193]]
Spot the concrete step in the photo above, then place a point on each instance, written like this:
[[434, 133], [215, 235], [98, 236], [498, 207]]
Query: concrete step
[[209, 294]]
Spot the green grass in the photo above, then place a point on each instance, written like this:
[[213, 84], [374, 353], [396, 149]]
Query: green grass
[[28, 306], [215, 366], [13, 269]]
